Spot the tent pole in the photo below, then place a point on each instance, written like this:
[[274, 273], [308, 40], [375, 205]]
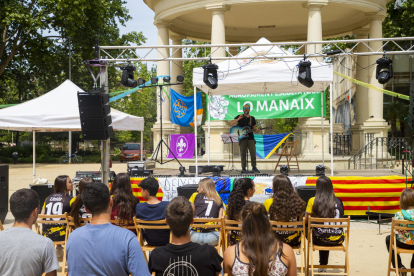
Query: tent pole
[[34, 155], [323, 149], [106, 154], [70, 147], [331, 126], [195, 130], [208, 108], [142, 143]]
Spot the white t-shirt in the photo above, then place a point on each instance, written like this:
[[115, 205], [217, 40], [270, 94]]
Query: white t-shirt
[[23, 252]]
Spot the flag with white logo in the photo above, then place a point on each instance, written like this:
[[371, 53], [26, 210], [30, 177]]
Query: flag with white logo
[[182, 145], [182, 109]]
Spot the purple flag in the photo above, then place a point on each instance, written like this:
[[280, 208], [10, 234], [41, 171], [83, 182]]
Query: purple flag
[[182, 145]]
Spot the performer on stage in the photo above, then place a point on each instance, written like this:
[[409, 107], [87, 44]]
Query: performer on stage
[[244, 120]]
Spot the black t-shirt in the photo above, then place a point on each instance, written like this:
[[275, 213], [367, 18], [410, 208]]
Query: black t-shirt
[[235, 235], [56, 204], [245, 121], [205, 208], [186, 259]]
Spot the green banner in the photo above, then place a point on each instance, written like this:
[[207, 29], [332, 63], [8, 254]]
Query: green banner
[[268, 106]]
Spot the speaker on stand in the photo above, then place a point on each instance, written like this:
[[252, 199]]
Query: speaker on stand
[[4, 191]]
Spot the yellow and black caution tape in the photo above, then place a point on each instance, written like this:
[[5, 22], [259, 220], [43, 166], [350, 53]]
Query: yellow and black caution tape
[[387, 92]]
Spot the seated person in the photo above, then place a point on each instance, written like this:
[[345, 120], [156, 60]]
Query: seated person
[[207, 204], [100, 248], [259, 252], [78, 208], [153, 209], [405, 239], [181, 254], [285, 205], [22, 251]]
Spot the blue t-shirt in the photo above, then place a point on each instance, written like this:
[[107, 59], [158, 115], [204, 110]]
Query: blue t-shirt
[[105, 249], [148, 212]]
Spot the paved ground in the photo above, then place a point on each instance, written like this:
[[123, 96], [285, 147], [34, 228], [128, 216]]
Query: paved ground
[[368, 254]]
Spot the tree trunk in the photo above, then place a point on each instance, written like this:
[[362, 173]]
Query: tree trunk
[[402, 127], [394, 127], [17, 137]]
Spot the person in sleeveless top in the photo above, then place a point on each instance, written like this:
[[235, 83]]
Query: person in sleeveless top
[[325, 205], [285, 205], [58, 203], [207, 204], [78, 208], [243, 190], [124, 202], [259, 252]]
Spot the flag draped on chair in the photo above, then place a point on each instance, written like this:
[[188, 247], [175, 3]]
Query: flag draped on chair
[[182, 109], [266, 145]]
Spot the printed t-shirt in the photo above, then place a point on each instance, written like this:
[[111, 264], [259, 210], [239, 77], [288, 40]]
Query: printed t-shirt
[[186, 259], [235, 235], [105, 249], [405, 236], [83, 213], [23, 252], [205, 208], [56, 204], [292, 238], [329, 235], [246, 122], [147, 212]]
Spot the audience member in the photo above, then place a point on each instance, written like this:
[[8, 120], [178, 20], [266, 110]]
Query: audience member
[[78, 208], [325, 205], [124, 201], [182, 256], [22, 251], [259, 252], [100, 248], [286, 205], [153, 209], [243, 190], [405, 239], [207, 204], [58, 203]]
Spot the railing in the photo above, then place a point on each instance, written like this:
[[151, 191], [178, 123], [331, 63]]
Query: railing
[[382, 152], [342, 144]]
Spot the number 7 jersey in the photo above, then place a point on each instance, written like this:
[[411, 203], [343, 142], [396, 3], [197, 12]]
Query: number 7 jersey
[[205, 208], [56, 204]]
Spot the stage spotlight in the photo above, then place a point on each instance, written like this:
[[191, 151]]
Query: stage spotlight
[[182, 172], [210, 75], [128, 76], [216, 171], [141, 81], [166, 79], [154, 80], [305, 77], [284, 169], [384, 70], [320, 170], [180, 78]]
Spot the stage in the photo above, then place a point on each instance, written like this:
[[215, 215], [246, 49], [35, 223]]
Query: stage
[[358, 189]]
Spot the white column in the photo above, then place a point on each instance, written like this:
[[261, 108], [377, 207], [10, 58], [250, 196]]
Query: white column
[[375, 98], [218, 28], [163, 67], [315, 24], [361, 95], [177, 66]]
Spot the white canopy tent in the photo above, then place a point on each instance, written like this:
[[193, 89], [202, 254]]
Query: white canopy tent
[[57, 111], [262, 76]]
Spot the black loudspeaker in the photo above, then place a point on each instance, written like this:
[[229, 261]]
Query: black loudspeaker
[[43, 191], [94, 113], [204, 169], [187, 190], [306, 192], [4, 191]]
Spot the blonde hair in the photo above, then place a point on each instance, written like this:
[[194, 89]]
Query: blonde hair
[[208, 187]]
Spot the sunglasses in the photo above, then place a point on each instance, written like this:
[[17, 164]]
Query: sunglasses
[[246, 108]]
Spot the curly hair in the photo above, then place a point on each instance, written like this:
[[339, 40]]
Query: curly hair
[[287, 204], [236, 198]]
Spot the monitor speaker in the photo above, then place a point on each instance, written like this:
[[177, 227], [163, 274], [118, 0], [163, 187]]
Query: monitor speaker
[[43, 191], [306, 192], [4, 191], [187, 190]]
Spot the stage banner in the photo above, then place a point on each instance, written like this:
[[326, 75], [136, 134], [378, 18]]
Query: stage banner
[[266, 145], [268, 106], [182, 145], [182, 109]]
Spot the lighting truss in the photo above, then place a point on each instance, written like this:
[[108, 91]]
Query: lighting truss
[[115, 54]]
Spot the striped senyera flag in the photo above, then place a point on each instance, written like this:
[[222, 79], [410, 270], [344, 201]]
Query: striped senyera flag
[[381, 194], [136, 191]]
